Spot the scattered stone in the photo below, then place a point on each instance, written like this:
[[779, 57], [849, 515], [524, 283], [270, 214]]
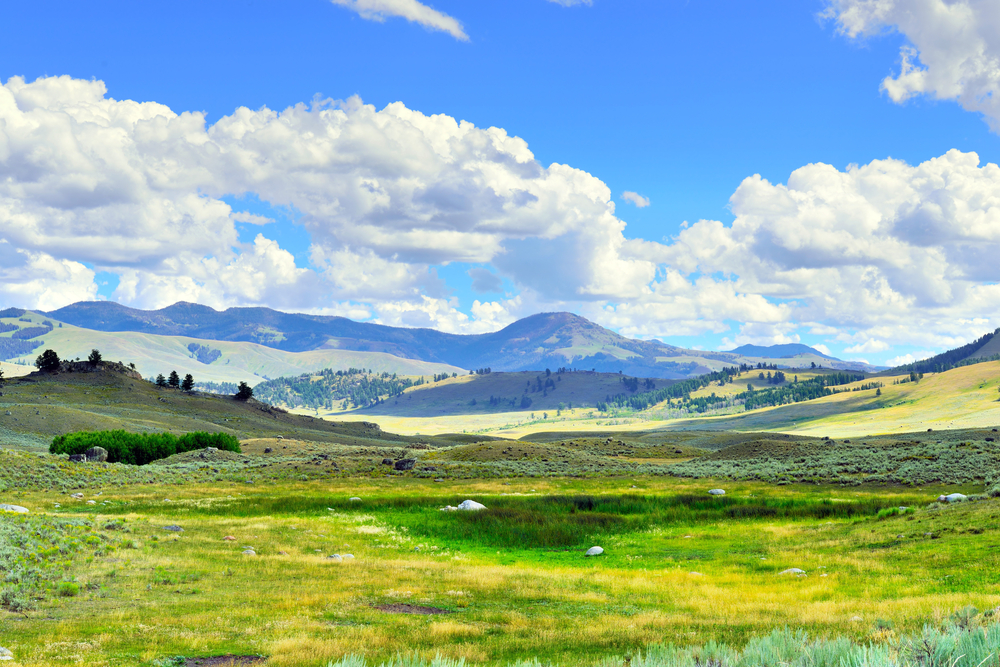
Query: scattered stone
[[249, 552], [348, 556], [952, 498], [281, 437], [824, 575], [355, 499], [449, 508], [471, 506], [858, 619], [793, 570], [696, 574], [387, 462], [594, 551], [5, 653], [336, 558], [174, 529], [228, 538], [405, 464], [903, 509], [267, 450], [78, 458], [14, 508], [78, 496], [91, 502], [438, 480], [97, 454], [717, 492]]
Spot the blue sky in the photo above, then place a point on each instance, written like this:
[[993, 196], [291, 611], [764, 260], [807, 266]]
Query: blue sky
[[679, 102]]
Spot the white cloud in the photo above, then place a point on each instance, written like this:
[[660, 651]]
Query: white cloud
[[869, 346], [411, 10], [822, 348], [954, 51], [909, 358], [252, 218], [572, 3], [40, 280], [635, 198], [484, 280]]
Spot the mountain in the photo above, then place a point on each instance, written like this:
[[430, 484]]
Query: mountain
[[786, 351], [545, 340]]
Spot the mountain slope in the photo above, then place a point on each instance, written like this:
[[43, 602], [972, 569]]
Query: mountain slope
[[544, 340]]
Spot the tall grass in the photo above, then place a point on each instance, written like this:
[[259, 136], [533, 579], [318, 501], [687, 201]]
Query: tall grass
[[950, 646]]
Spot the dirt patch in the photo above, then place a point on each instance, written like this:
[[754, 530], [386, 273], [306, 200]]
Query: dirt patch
[[225, 661], [411, 609]]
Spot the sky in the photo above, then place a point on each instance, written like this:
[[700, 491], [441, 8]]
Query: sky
[[707, 173]]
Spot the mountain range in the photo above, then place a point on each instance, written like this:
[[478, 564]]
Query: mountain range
[[536, 342]]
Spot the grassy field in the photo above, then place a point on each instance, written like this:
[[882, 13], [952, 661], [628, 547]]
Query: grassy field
[[680, 566]]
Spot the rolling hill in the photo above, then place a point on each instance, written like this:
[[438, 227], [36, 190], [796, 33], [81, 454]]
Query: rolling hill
[[545, 340], [786, 351]]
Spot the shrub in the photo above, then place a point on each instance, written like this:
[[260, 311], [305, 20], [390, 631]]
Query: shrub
[[67, 589], [140, 448]]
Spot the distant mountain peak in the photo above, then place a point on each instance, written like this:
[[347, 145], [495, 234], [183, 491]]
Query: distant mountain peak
[[783, 351]]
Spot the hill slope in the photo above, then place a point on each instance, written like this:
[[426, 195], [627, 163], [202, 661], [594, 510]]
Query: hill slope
[[533, 343], [779, 351]]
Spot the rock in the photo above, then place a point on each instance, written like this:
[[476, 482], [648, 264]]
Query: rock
[[471, 506], [78, 458], [405, 464], [858, 619], [228, 538], [793, 570], [438, 480], [267, 450], [249, 552], [387, 462], [211, 449], [348, 556], [174, 529], [717, 492], [449, 508], [696, 574], [13, 508], [336, 558], [952, 498], [5, 653], [91, 502], [355, 499], [594, 551], [78, 496], [97, 454]]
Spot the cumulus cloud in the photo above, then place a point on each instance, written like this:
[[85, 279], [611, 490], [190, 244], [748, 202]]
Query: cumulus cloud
[[41, 280], [635, 198], [869, 346], [411, 10], [954, 50], [822, 348], [252, 218]]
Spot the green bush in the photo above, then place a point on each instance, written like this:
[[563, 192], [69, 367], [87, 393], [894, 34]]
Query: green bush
[[140, 448], [67, 589]]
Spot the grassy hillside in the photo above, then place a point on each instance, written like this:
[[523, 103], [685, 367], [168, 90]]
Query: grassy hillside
[[34, 409], [237, 361]]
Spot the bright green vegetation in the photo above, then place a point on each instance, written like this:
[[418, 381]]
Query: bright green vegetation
[[353, 388], [141, 448]]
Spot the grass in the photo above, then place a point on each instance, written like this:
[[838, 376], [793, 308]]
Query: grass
[[679, 566]]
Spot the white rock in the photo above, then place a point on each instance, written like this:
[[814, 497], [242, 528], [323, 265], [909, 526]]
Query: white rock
[[952, 498], [336, 558], [449, 508], [717, 492], [471, 505], [91, 502], [78, 496], [14, 508], [696, 574], [249, 552], [5, 653], [355, 499], [793, 570], [348, 556], [594, 551]]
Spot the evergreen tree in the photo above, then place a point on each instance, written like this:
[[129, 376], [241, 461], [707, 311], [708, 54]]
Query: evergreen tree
[[48, 361], [161, 381], [188, 384], [244, 393], [175, 380], [94, 358]]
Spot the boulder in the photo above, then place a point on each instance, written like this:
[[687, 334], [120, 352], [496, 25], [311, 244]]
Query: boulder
[[249, 552], [449, 508], [952, 498], [594, 551], [174, 529], [792, 570], [78, 458], [91, 502], [13, 508], [355, 499], [336, 558], [348, 556], [387, 462], [717, 492], [96, 454], [471, 506], [405, 464], [267, 450], [78, 496]]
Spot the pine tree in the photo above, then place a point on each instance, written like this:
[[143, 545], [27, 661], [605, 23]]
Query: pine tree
[[244, 392], [94, 358], [175, 380], [48, 361], [188, 384]]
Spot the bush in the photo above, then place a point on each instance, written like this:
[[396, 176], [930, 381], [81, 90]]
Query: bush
[[67, 589], [140, 448]]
